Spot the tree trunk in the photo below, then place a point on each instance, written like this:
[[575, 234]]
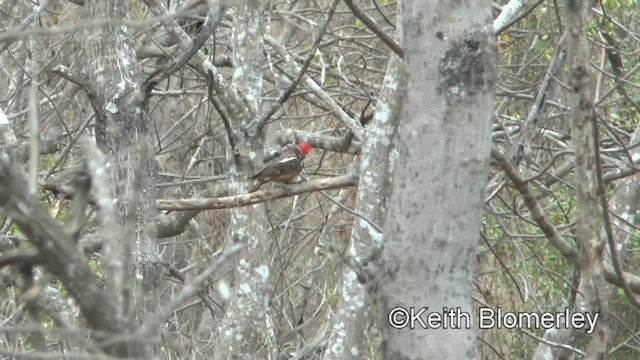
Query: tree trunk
[[123, 134], [242, 325], [348, 335], [435, 208], [592, 289]]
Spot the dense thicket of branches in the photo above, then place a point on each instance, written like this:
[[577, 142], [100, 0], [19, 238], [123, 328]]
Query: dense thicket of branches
[[128, 128]]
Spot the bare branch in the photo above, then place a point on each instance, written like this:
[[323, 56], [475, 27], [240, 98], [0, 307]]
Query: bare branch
[[536, 211], [154, 322], [287, 93], [354, 126], [258, 196], [56, 246], [210, 26], [373, 26]]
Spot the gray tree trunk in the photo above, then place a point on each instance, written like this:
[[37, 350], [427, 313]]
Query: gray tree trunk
[[123, 134], [348, 335], [593, 292], [592, 289], [242, 325], [435, 208]]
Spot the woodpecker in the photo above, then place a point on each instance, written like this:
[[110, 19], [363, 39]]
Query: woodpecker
[[287, 166]]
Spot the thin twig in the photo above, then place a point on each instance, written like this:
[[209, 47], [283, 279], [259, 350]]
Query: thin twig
[[303, 70]]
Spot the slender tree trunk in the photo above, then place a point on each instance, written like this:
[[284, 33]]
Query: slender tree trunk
[[347, 340], [240, 329], [592, 289], [123, 134]]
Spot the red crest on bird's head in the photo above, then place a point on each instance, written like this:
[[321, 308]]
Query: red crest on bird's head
[[305, 147]]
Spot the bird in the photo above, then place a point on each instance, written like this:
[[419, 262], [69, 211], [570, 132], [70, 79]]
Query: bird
[[287, 166]]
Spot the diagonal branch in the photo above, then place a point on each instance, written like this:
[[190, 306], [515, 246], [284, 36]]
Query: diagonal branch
[[538, 105], [86, 86], [161, 74], [549, 230], [537, 213], [223, 115], [150, 326], [350, 123], [373, 26], [230, 98], [62, 257], [287, 93]]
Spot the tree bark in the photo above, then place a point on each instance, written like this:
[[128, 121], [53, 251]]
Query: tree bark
[[592, 289], [240, 328], [123, 134], [347, 339], [444, 141]]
